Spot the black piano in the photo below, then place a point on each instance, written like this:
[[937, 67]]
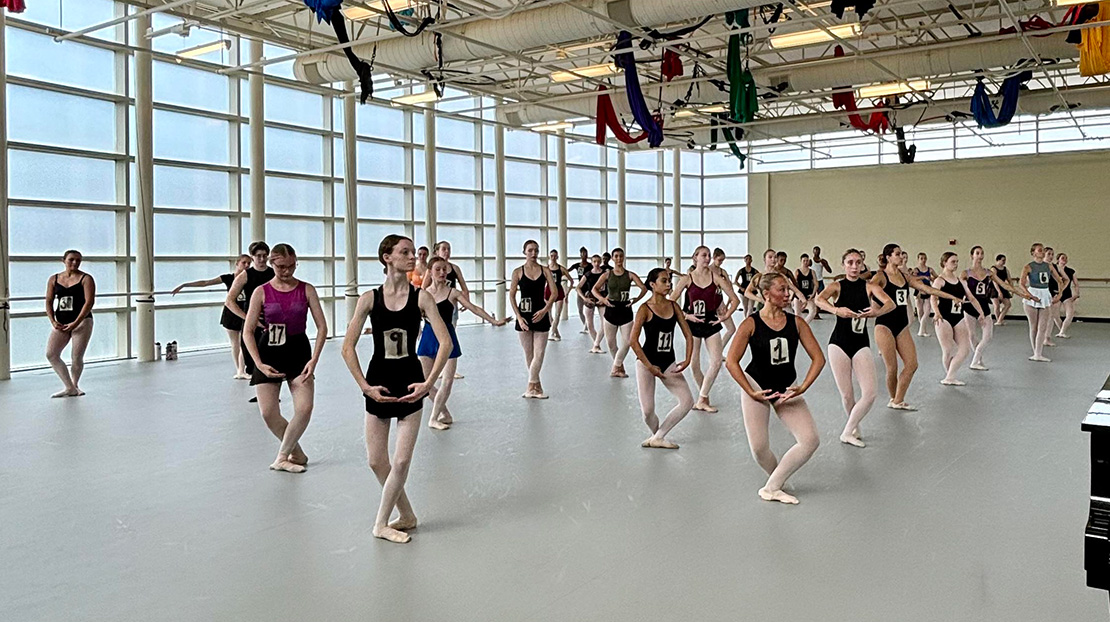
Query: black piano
[[1096, 544]]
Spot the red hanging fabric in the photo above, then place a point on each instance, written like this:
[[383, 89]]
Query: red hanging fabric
[[672, 65], [607, 117], [1034, 23], [878, 122], [13, 6]]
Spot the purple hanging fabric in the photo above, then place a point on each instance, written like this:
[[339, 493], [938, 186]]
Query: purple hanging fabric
[[624, 59]]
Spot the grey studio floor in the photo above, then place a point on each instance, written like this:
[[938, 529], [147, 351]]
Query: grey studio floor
[[149, 499]]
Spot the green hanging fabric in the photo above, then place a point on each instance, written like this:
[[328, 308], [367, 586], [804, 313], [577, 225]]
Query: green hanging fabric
[[743, 103], [720, 122]]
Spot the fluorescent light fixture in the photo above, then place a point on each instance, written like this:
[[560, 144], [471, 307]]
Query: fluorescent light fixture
[[593, 71], [205, 48], [1071, 2], [808, 37], [689, 112], [429, 95], [552, 127], [893, 88], [356, 13]]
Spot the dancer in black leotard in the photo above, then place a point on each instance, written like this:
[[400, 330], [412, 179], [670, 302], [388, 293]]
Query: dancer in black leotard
[[394, 383], [580, 268], [70, 297], [1068, 296], [613, 291], [585, 292], [891, 334], [982, 283], [241, 290], [559, 273], [849, 347], [952, 332], [232, 323], [770, 381], [532, 311], [1002, 297], [806, 279], [657, 319], [744, 277]]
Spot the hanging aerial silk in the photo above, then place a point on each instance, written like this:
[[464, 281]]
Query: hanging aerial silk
[[878, 122], [743, 102], [399, 26], [653, 35], [982, 109], [862, 7], [607, 118], [719, 122], [328, 11], [671, 66], [906, 153], [13, 6], [625, 60], [1094, 51]]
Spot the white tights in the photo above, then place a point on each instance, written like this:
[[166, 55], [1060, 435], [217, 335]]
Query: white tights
[[796, 417], [535, 346], [986, 324], [678, 386], [1040, 322], [618, 348], [704, 381], [955, 344], [862, 367], [595, 334]]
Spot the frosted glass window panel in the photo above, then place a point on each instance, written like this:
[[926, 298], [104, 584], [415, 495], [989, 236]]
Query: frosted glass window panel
[[28, 278], [583, 214], [583, 153], [691, 219], [51, 231], [668, 219], [170, 44], [691, 190], [418, 128], [725, 190], [489, 209], [29, 340], [74, 15], [186, 234], [642, 244], [642, 266], [719, 163], [489, 175], [690, 241], [519, 211], [611, 209], [419, 170], [464, 240], [584, 183], [60, 178], [294, 196], [420, 236], [691, 162], [312, 271], [642, 187], [49, 118], [419, 206], [283, 69], [339, 199], [193, 139], [578, 238], [378, 162], [488, 137], [456, 171], [191, 188], [735, 244], [305, 236], [489, 243], [725, 218], [514, 243], [381, 202], [295, 107], [185, 86], [642, 216], [522, 143], [370, 272], [455, 100], [613, 240], [340, 239], [245, 145], [338, 156], [192, 329], [641, 161], [523, 177], [454, 134], [294, 152], [455, 207], [370, 235], [69, 63], [170, 274], [380, 122]]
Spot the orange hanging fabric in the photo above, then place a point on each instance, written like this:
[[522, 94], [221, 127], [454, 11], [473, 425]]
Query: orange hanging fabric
[[1094, 51]]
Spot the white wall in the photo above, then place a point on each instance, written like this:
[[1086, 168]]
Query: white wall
[[1001, 204]]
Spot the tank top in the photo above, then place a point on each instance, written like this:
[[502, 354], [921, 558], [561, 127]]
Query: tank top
[[773, 351], [531, 294], [1003, 273], [255, 279], [658, 342], [620, 289], [851, 333], [394, 364], [900, 295], [981, 289], [284, 314], [453, 279], [950, 310], [1040, 275], [806, 282], [922, 274], [241, 299], [702, 301], [746, 277], [819, 268], [446, 311], [415, 278], [580, 269], [591, 280], [68, 301], [1068, 272]]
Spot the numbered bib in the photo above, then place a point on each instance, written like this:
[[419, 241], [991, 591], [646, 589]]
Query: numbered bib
[[1044, 278], [805, 283], [957, 308], [901, 297], [275, 335], [624, 296], [981, 289], [396, 342], [699, 308], [666, 340], [65, 303], [242, 297], [859, 325], [526, 305], [780, 352]]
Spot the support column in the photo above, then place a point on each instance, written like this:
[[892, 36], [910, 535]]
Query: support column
[[5, 261], [257, 120], [499, 217], [350, 186], [677, 197], [431, 217], [561, 190], [144, 202], [622, 198]]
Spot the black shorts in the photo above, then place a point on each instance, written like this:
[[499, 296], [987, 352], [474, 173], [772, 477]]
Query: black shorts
[[618, 316], [395, 376], [231, 321], [289, 359]]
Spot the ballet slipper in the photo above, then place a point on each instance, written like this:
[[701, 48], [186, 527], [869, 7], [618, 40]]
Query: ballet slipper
[[1040, 359], [953, 383], [404, 523], [298, 457], [65, 393], [391, 534], [658, 443], [777, 495], [438, 425], [704, 406], [978, 367], [287, 466], [848, 439], [904, 406]]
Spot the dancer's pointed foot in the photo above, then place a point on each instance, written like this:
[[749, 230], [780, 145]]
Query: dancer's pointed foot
[[953, 382], [777, 495], [978, 367], [848, 439], [287, 466], [704, 405], [658, 443], [391, 534], [404, 523], [1040, 359]]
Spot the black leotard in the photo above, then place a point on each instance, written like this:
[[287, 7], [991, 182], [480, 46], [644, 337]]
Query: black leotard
[[68, 301], [746, 277], [658, 344], [1067, 293], [394, 364], [806, 283], [773, 352], [591, 280], [952, 312], [1004, 275], [898, 319], [531, 301], [255, 279], [982, 292], [228, 319], [850, 334]]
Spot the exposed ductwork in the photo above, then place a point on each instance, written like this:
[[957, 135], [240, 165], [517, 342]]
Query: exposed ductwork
[[523, 30], [824, 74], [1039, 102]]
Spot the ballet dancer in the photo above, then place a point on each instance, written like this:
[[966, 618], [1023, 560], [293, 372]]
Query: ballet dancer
[[70, 297], [1068, 296], [232, 323], [243, 288], [952, 331], [580, 268], [618, 302], [416, 277], [744, 277], [981, 283], [585, 290], [1002, 297], [821, 267], [533, 314], [925, 274], [1035, 278], [730, 326], [559, 273], [807, 283]]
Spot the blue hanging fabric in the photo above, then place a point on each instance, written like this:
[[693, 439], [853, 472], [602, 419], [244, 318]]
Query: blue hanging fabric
[[625, 60], [983, 110], [328, 11]]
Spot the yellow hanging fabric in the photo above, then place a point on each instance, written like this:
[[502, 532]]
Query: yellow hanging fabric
[[1094, 51]]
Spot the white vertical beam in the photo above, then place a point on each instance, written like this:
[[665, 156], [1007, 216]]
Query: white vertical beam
[[5, 280], [499, 216], [622, 197], [350, 186], [144, 202], [561, 177], [677, 198], [431, 218], [257, 120]]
